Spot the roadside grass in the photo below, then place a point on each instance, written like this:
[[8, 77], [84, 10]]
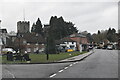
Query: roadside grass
[[41, 58]]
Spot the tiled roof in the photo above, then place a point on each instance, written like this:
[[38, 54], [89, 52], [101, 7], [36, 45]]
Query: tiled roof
[[33, 38], [77, 35], [66, 39]]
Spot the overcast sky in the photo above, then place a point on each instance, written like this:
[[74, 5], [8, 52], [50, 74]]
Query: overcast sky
[[87, 16]]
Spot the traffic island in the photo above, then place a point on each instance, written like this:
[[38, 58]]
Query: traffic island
[[53, 58]]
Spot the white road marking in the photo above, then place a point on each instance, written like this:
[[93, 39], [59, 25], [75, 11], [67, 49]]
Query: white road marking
[[65, 67], [60, 71], [11, 74], [70, 65], [53, 75], [75, 63]]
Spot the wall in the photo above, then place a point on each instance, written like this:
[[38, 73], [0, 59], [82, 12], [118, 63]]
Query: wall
[[23, 26]]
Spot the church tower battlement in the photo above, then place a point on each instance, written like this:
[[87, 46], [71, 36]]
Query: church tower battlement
[[23, 26]]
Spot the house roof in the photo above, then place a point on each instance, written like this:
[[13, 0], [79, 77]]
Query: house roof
[[33, 38], [66, 39], [4, 30], [77, 35]]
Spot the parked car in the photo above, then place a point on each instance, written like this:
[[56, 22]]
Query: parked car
[[70, 50], [5, 50], [104, 47], [110, 47], [90, 47]]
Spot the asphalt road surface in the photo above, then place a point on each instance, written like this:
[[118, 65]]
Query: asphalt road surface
[[101, 64]]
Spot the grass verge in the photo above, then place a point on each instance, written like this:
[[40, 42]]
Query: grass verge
[[41, 58]]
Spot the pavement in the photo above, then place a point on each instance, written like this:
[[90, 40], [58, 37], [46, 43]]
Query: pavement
[[77, 58]]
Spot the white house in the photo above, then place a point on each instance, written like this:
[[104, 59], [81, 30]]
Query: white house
[[67, 43]]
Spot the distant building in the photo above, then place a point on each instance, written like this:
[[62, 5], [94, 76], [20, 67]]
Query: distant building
[[75, 41], [81, 40], [4, 36], [11, 39], [66, 43], [30, 42], [23, 26], [7, 40]]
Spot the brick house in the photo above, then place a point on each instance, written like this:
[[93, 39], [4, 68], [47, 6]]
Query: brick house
[[75, 41], [81, 40], [31, 42]]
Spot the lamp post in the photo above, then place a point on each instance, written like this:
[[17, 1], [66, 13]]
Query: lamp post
[[19, 36], [47, 46]]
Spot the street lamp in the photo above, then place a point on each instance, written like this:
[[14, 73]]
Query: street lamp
[[19, 47], [47, 46], [80, 44]]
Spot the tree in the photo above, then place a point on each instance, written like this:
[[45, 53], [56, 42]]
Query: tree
[[33, 27], [37, 28], [61, 28], [100, 36], [70, 29], [113, 31], [89, 37], [51, 47], [111, 35], [58, 29], [98, 31]]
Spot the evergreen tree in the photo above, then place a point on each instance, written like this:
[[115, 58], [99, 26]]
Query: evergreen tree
[[113, 31], [111, 35], [89, 37], [33, 28], [58, 29], [37, 28], [70, 28], [98, 31], [61, 28]]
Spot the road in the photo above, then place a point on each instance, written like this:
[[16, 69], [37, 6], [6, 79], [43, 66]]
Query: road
[[101, 64]]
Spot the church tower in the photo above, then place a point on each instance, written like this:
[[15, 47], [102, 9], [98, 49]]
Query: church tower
[[23, 26]]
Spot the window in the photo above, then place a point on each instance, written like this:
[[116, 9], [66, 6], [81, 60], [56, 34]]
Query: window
[[28, 50], [24, 42], [42, 44], [36, 44]]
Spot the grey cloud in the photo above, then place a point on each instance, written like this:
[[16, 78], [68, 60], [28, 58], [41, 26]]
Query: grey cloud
[[86, 15]]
